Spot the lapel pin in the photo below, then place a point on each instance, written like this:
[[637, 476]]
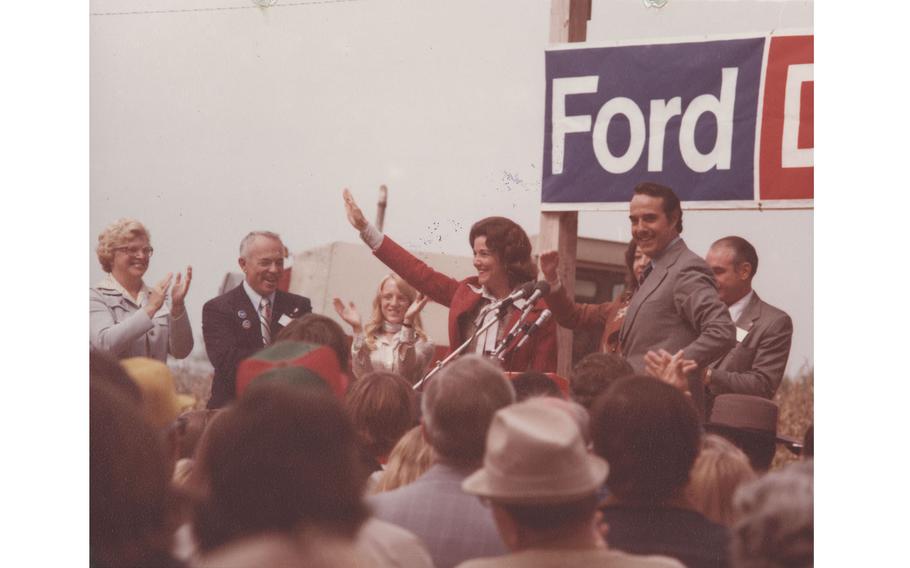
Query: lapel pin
[[241, 314], [246, 324]]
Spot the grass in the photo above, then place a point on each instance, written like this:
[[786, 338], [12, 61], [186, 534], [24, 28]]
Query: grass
[[796, 399]]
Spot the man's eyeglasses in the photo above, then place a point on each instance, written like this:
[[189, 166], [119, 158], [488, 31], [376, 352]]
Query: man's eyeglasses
[[136, 251]]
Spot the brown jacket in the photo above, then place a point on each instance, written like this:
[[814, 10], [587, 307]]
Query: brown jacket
[[607, 316]]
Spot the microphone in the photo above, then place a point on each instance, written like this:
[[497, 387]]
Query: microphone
[[544, 316], [518, 294], [541, 289]]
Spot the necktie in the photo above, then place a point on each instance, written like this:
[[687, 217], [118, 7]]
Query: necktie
[[265, 316], [645, 273]]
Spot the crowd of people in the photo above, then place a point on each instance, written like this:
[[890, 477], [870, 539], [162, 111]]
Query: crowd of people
[[321, 449]]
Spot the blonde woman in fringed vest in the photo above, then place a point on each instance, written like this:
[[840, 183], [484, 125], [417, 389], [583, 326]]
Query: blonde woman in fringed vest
[[393, 339]]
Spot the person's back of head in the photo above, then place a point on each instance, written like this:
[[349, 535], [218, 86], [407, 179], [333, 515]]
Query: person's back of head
[[458, 405], [131, 505], [649, 433], [594, 374], [409, 459], [775, 526], [320, 330], [189, 428], [281, 458], [105, 368], [382, 407], [719, 470], [533, 383]]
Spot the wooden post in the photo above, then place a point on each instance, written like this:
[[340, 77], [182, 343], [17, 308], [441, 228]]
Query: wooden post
[[380, 206], [559, 230]]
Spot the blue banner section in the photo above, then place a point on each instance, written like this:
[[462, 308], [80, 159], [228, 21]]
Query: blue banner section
[[683, 115]]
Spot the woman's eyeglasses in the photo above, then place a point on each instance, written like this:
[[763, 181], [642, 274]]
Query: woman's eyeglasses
[[136, 251]]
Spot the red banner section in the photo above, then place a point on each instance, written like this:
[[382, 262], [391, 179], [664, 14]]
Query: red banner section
[[786, 165]]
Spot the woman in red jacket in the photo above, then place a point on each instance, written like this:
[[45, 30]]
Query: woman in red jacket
[[502, 258]]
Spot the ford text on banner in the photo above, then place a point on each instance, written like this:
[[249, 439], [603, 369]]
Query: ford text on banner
[[682, 114]]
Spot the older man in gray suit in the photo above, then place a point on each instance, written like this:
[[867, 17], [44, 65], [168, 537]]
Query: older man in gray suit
[[677, 307], [458, 406], [763, 333]]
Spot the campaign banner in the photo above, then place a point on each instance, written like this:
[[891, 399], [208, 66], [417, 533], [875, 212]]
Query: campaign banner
[[725, 123]]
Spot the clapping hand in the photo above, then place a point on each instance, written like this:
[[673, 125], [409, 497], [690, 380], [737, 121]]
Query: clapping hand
[[355, 215], [349, 314], [157, 295], [671, 369], [415, 308], [178, 292]]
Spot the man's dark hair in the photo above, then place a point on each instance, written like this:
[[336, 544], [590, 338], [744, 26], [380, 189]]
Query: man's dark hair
[[550, 516], [280, 458], [534, 383], [594, 374], [321, 330], [648, 431], [511, 245], [670, 200], [743, 251]]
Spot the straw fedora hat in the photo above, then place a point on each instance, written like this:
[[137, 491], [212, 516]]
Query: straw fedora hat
[[536, 455]]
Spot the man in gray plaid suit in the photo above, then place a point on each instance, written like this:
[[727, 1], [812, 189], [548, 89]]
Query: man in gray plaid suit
[[458, 406]]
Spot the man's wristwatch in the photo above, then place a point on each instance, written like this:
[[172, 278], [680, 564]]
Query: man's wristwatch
[[707, 377]]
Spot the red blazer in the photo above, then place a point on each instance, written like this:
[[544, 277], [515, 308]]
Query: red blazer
[[538, 354]]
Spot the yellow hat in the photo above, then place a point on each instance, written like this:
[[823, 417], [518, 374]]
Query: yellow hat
[[161, 404]]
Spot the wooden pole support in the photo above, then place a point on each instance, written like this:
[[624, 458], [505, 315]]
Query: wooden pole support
[[559, 230]]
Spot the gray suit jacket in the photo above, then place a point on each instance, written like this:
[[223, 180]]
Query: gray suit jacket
[[756, 365], [453, 525], [677, 307]]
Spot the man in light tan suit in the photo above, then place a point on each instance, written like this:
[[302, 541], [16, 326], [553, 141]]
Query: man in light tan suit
[[677, 307]]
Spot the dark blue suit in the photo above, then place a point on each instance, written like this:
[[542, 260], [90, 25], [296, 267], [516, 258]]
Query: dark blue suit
[[228, 340]]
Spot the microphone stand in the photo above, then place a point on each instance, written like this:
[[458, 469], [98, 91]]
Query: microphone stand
[[500, 352], [461, 347], [528, 330]]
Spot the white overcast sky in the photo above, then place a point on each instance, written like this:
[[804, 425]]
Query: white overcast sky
[[210, 118]]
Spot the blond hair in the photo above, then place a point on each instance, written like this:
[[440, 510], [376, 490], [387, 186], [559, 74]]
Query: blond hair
[[376, 319], [718, 472], [117, 234], [409, 459]]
